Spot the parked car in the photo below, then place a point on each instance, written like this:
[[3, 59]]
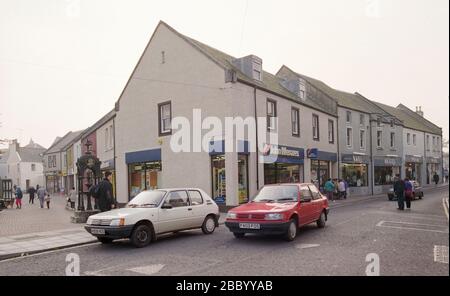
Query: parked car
[[279, 210], [417, 192], [152, 213]]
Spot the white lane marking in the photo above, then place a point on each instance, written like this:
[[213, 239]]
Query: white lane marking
[[148, 270], [441, 254], [307, 246], [445, 205], [382, 224]]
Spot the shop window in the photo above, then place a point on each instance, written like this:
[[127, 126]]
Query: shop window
[[195, 198], [277, 173], [356, 175], [295, 119], [385, 175], [320, 173], [144, 176], [165, 118], [177, 199], [315, 126], [271, 115], [219, 179]]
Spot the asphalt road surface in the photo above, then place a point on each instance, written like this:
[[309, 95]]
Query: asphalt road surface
[[407, 243]]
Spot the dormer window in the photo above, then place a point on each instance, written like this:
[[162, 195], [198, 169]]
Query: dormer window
[[302, 89], [257, 70], [251, 66]]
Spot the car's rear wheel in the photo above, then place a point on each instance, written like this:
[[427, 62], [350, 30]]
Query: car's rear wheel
[[322, 220], [238, 234], [141, 236], [209, 225], [291, 232], [105, 240]]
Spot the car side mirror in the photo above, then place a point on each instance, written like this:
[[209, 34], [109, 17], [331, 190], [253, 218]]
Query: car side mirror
[[166, 206]]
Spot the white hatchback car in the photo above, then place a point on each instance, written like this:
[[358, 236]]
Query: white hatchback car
[[152, 213]]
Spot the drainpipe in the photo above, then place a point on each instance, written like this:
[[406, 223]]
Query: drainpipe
[[425, 157], [257, 140], [372, 183], [338, 150], [114, 157]]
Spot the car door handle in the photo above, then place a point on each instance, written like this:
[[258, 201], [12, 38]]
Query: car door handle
[[190, 209]]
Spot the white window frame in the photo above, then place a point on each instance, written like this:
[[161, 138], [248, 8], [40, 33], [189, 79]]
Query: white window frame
[[362, 120], [295, 121], [379, 139], [330, 131], [316, 127], [392, 140], [349, 137], [271, 116], [362, 139], [348, 116], [414, 139], [302, 89], [408, 139], [163, 116], [106, 139]]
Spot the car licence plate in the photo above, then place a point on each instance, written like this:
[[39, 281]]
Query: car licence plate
[[249, 226], [97, 231]]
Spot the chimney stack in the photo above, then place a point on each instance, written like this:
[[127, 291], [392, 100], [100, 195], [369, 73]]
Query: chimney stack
[[419, 111]]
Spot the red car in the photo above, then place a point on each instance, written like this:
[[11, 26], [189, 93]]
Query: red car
[[280, 209]]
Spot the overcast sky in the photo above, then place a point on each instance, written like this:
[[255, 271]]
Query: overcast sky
[[63, 63]]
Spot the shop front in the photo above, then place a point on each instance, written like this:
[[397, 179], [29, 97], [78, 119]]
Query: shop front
[[218, 172], [433, 167], [51, 183], [283, 164], [144, 171], [386, 170], [321, 166], [355, 171], [413, 168]]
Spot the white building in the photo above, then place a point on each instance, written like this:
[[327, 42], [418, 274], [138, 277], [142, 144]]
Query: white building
[[177, 74], [23, 165]]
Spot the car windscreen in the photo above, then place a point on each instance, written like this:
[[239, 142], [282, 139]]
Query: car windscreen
[[147, 199], [284, 193]]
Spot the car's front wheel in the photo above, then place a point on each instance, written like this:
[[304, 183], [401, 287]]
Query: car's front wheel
[[322, 220], [209, 225], [141, 236], [291, 232]]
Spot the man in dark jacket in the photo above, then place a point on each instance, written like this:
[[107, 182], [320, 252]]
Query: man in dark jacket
[[436, 178], [105, 200], [399, 190], [31, 192]]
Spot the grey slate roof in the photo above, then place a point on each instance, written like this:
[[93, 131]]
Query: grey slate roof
[[64, 141], [28, 154], [409, 120], [111, 114], [270, 82], [434, 128]]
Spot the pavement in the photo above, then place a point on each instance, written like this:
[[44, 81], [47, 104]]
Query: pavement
[[406, 243], [38, 230]]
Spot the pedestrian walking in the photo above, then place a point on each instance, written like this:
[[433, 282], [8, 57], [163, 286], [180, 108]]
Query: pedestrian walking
[[47, 201], [346, 189], [19, 196], [104, 194], [31, 193], [399, 190], [409, 189], [436, 178], [72, 196], [329, 189], [341, 189], [41, 194]]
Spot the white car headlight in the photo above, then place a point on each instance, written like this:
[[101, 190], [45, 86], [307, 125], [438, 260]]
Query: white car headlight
[[231, 216], [117, 222], [89, 221], [274, 217]]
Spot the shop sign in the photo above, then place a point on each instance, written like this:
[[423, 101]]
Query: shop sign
[[413, 159], [351, 158], [313, 153], [388, 161], [283, 151], [433, 160]]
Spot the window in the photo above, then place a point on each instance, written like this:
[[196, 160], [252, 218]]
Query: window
[[315, 192], [271, 115], [392, 123], [111, 137], [408, 138], [414, 139], [349, 137], [331, 131], [177, 199], [385, 175], [392, 140], [378, 121], [295, 122], [362, 139], [356, 175], [305, 193], [50, 159], [349, 117], [256, 74], [302, 89], [437, 144], [33, 167], [315, 119], [163, 57], [434, 142], [428, 143], [362, 119], [257, 70], [379, 139], [165, 118], [106, 138], [195, 197]]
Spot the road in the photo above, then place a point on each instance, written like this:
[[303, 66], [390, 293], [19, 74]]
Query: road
[[404, 242]]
